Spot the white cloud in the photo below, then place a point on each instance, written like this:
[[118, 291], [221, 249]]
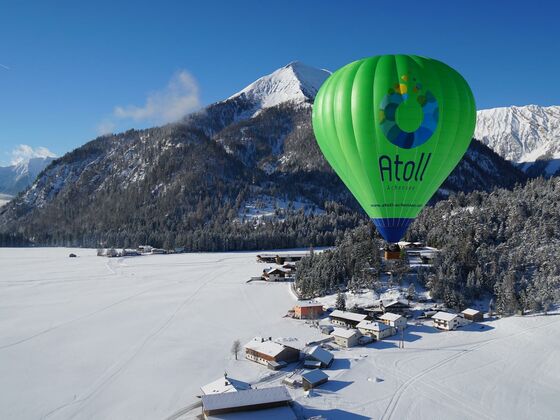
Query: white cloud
[[169, 104], [23, 152]]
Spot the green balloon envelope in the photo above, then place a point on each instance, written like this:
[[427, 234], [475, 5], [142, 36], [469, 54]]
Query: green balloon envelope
[[393, 127]]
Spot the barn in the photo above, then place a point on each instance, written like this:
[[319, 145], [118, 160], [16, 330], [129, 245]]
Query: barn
[[313, 379], [472, 315]]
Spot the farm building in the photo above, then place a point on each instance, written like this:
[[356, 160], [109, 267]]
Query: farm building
[[346, 338], [275, 274], [346, 319], [313, 379], [308, 310], [319, 354], [472, 315], [376, 330], [224, 384], [252, 403], [270, 353], [394, 320], [445, 321]]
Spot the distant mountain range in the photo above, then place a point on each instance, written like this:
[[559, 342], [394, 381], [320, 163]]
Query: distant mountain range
[[198, 182], [527, 135], [16, 178]]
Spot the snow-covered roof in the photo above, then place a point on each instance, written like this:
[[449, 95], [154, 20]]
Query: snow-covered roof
[[308, 304], [395, 302], [277, 270], [341, 332], [267, 347], [352, 316], [223, 384], [245, 398], [444, 316], [388, 316], [470, 311], [373, 326], [320, 354], [315, 376]]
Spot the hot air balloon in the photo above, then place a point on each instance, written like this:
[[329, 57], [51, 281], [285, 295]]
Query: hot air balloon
[[393, 127]]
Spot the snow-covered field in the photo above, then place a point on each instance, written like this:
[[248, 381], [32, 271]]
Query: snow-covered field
[[135, 338]]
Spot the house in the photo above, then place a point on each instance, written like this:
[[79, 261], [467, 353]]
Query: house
[[472, 315], [346, 338], [397, 321], [158, 251], [224, 384], [376, 330], [112, 252], [275, 274], [253, 403], [446, 321], [270, 353], [145, 249], [313, 379], [346, 319], [308, 310], [129, 253], [290, 267], [395, 306], [319, 354]]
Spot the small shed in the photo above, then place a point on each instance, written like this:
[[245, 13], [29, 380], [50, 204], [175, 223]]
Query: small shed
[[313, 379], [472, 315], [320, 355]]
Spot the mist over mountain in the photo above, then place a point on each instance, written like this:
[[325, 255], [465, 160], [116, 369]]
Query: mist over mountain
[[243, 173]]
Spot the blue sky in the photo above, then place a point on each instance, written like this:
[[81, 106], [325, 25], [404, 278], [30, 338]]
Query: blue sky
[[70, 70]]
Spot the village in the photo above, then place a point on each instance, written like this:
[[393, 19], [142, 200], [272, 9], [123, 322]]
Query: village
[[305, 367]]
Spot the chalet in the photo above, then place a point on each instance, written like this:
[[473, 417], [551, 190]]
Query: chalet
[[395, 306], [472, 315], [394, 320], [376, 330], [320, 355], [224, 384], [446, 321], [275, 274], [270, 353], [308, 310], [346, 319], [313, 379], [346, 338], [251, 403]]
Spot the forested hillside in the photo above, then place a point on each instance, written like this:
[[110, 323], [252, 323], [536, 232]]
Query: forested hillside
[[504, 243]]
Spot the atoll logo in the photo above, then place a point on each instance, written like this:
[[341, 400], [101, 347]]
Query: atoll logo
[[408, 116]]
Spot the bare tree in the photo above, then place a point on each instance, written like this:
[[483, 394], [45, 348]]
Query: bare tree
[[236, 348]]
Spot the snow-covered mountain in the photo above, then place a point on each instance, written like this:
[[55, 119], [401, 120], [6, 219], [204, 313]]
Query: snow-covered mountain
[[18, 177], [191, 180], [294, 82], [527, 135]]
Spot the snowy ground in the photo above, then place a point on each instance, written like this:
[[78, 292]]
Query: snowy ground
[[135, 338]]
